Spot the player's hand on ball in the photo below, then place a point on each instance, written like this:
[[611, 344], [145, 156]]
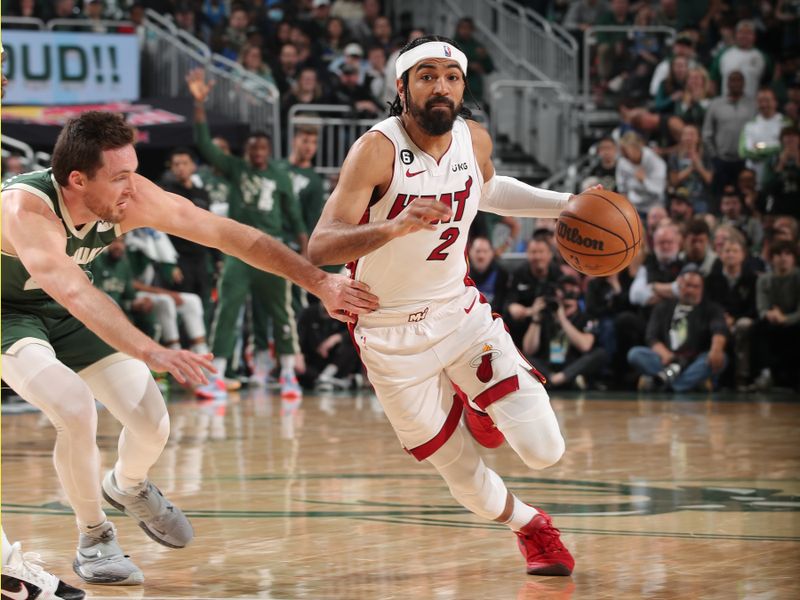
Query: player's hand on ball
[[185, 366], [343, 297], [198, 86], [421, 214]]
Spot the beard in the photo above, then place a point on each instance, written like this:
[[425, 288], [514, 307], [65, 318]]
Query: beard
[[432, 120], [110, 214]]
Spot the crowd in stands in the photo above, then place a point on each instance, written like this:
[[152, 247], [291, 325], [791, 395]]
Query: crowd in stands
[[707, 148]]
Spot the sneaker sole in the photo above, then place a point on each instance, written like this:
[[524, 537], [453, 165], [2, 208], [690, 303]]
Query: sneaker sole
[[556, 570], [152, 535], [132, 579]]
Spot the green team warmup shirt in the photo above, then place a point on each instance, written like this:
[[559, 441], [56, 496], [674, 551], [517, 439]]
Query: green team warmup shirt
[[308, 189], [262, 198], [29, 315]]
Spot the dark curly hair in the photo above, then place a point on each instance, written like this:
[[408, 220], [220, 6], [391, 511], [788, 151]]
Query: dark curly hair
[[396, 107], [80, 144]]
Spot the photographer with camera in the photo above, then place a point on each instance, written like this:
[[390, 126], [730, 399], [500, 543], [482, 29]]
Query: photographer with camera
[[560, 337]]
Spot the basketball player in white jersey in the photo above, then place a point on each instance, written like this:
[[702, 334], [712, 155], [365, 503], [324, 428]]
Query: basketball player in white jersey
[[407, 193]]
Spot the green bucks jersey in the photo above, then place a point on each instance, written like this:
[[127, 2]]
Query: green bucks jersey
[[20, 291]]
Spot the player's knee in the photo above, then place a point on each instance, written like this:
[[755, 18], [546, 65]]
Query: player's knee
[[545, 453], [76, 412]]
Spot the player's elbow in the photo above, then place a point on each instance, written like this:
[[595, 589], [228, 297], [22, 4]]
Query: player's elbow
[[317, 250]]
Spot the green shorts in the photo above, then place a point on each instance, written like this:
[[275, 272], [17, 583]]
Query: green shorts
[[74, 344]]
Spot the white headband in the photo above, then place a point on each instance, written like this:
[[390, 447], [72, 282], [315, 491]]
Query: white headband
[[429, 50]]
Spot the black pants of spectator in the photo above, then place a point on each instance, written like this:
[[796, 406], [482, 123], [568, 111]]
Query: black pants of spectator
[[589, 364], [343, 355], [629, 328], [774, 347], [196, 280]]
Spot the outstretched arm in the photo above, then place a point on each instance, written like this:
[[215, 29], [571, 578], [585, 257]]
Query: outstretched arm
[[153, 207], [339, 236], [507, 196], [38, 240]]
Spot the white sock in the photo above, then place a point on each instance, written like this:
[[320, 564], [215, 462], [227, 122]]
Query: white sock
[[90, 529], [328, 371], [287, 366], [521, 515], [6, 549], [124, 484], [220, 364], [200, 348], [263, 363]]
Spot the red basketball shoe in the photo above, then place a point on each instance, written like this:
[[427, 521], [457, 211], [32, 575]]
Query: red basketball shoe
[[541, 546]]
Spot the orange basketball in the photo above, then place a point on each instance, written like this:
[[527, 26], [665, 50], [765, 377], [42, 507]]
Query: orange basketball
[[599, 232]]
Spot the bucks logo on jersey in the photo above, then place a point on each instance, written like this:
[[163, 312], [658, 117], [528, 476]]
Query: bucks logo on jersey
[[83, 244]]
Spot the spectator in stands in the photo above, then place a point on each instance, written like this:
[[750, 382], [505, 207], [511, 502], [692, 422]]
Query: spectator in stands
[[691, 169], [13, 164], [607, 298], [743, 58], [381, 35], [335, 40], [25, 8], [331, 359], [778, 328], [560, 337], [318, 21], [697, 94], [641, 173], [656, 215], [732, 209], [194, 260], [375, 71], [679, 208], [760, 137], [612, 46], [782, 178], [65, 9], [746, 184], [186, 19], [672, 89], [112, 273], [252, 60], [490, 277], [215, 13], [285, 71], [305, 90], [725, 117], [538, 277], [604, 169], [697, 246], [683, 48], [655, 279], [686, 338], [582, 14], [235, 36], [353, 54], [349, 92], [662, 129], [95, 12], [480, 62], [390, 93], [732, 285], [361, 28]]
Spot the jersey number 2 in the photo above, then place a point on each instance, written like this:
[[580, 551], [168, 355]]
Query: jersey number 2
[[449, 236]]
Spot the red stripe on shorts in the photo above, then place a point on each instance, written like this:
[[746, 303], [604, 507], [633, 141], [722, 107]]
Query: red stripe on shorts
[[496, 392], [432, 445]]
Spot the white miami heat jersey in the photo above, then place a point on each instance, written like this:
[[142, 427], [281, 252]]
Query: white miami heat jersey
[[424, 265]]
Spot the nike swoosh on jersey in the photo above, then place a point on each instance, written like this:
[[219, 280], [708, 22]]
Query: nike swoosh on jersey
[[410, 174], [467, 310]]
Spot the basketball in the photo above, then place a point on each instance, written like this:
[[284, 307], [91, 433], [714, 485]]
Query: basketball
[[599, 232]]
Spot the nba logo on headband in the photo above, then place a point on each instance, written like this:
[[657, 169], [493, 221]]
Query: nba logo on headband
[[447, 51]]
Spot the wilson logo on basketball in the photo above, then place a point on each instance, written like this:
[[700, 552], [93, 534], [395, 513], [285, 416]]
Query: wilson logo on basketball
[[572, 235]]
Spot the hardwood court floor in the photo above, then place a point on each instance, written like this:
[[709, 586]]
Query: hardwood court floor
[[656, 498]]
